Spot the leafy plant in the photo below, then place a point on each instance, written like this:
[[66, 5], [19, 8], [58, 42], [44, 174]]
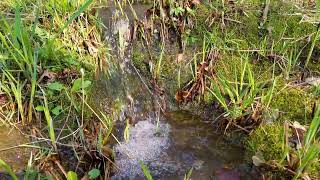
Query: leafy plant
[[72, 176], [242, 92], [17, 42], [177, 11]]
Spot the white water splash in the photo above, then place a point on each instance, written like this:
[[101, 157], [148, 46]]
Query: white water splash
[[144, 145]]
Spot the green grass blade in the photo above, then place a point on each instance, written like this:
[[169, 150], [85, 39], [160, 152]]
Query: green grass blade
[[311, 154], [5, 166], [217, 94], [76, 14], [49, 121], [145, 171], [313, 129]]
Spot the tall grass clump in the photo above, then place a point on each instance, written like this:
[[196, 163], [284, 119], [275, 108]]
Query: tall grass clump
[[20, 61], [239, 93]]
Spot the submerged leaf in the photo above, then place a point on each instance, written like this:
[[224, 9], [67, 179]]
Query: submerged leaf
[[258, 159], [145, 170]]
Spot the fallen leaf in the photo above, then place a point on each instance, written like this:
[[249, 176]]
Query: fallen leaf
[[298, 134], [48, 76], [94, 173], [181, 96]]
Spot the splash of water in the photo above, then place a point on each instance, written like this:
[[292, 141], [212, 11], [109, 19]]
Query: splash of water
[[146, 143]]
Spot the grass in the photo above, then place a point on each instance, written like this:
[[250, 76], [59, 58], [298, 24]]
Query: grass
[[46, 46], [240, 93], [41, 61], [5, 166], [267, 48], [311, 147]]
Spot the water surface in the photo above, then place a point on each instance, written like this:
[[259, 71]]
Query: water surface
[[181, 142]]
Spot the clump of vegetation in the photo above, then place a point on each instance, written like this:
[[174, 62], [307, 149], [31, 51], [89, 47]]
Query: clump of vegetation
[[293, 103], [289, 147], [268, 139], [47, 65], [251, 57], [278, 47], [238, 95]]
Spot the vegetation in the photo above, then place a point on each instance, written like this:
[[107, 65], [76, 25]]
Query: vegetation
[[256, 62], [251, 58], [49, 53]]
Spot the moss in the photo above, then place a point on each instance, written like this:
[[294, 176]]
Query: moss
[[289, 27], [267, 139], [263, 71], [294, 103], [314, 169], [139, 56], [208, 97], [228, 66]]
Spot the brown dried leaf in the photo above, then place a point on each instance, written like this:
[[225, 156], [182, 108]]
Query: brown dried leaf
[[181, 96], [48, 76]]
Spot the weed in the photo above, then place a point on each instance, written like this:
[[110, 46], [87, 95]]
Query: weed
[[239, 95]]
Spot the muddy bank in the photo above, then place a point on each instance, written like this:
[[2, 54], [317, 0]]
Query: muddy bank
[[11, 151]]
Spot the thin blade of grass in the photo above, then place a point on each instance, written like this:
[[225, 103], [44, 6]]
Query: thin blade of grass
[[5, 166], [76, 14]]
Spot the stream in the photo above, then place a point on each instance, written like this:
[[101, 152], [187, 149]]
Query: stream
[[169, 143]]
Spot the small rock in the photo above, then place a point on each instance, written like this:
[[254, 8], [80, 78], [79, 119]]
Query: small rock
[[258, 159], [314, 81]]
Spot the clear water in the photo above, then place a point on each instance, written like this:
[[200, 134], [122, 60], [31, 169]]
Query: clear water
[[183, 142]]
